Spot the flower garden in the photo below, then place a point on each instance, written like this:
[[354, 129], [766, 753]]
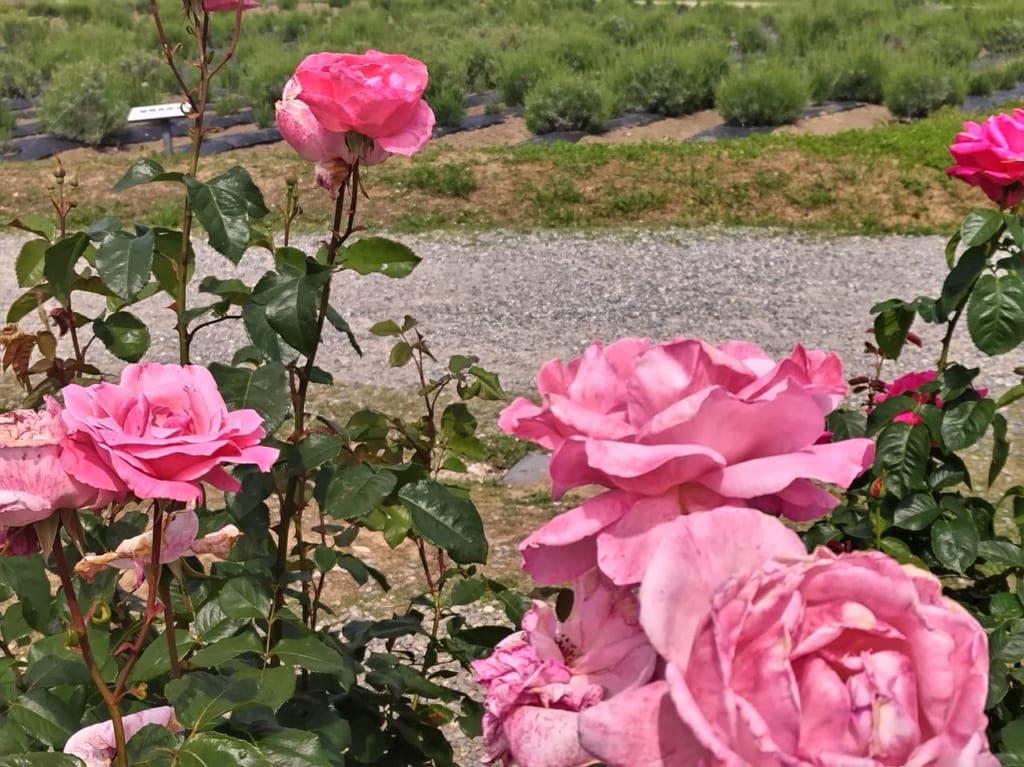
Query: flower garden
[[773, 563]]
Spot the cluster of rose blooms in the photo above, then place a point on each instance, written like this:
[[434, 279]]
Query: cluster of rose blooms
[[702, 632]]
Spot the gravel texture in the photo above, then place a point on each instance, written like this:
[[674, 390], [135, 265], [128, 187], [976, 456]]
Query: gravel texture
[[516, 300]]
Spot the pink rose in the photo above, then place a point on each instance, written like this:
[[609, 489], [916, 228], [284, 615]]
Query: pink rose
[[776, 657], [211, 6], [377, 95], [538, 679], [909, 383], [991, 156], [178, 540], [18, 541], [159, 433], [677, 427], [95, 744], [32, 483]]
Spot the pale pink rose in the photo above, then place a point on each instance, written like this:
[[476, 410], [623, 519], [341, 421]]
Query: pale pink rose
[[95, 744], [991, 157], [538, 679], [677, 427], [775, 657], [159, 433], [212, 6], [177, 540], [32, 483], [377, 95]]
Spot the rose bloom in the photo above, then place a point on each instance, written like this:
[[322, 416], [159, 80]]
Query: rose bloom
[[32, 482], [211, 6], [159, 433], [377, 95], [540, 678], [775, 657], [991, 156], [908, 384], [677, 427], [95, 745]]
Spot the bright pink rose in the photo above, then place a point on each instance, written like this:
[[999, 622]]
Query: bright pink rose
[[677, 427], [538, 679], [178, 540], [95, 744], [991, 156], [32, 483], [776, 657], [909, 383], [212, 6], [159, 433], [377, 95]]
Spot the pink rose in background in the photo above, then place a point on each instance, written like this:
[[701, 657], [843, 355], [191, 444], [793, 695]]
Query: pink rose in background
[[776, 657], [909, 383], [677, 427], [538, 679], [991, 156], [377, 95], [177, 540], [32, 482], [95, 744], [159, 433], [212, 6]]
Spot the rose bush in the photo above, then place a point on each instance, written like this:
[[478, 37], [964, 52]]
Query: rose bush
[[990, 156], [539, 678], [33, 483], [773, 656], [673, 428], [159, 433]]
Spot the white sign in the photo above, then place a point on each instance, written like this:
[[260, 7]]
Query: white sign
[[157, 112]]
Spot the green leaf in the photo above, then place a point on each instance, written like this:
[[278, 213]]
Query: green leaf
[[51, 663], [1012, 737], [901, 457], [124, 335], [995, 313], [966, 423], [490, 386], [264, 389], [1013, 226], [1010, 396], [35, 223], [899, 551], [954, 381], [276, 684], [356, 490], [892, 324], [155, 661], [261, 335], [291, 303], [338, 323], [916, 512], [242, 597], [400, 355], [167, 259], [979, 226], [311, 654], [211, 749], [447, 518], [846, 424], [383, 328], [154, 746], [26, 577], [59, 264], [1000, 448], [289, 747], [41, 760], [370, 255], [1003, 553], [313, 451], [125, 261], [44, 715], [223, 650], [144, 172], [955, 542], [223, 206], [468, 590], [234, 290], [29, 267], [201, 699], [961, 277]]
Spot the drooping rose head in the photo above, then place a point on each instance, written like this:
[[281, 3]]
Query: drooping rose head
[[159, 433], [32, 482], [95, 745], [538, 679], [991, 157], [673, 428], [776, 657], [377, 95]]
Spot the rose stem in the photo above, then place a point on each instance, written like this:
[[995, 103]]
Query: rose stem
[[78, 624]]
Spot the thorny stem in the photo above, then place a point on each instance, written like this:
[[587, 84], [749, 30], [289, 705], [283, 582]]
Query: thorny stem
[[169, 627], [78, 624], [293, 501]]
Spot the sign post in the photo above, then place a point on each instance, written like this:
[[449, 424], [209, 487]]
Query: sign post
[[162, 113]]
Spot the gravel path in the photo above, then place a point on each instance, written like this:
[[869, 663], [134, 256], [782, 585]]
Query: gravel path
[[516, 300]]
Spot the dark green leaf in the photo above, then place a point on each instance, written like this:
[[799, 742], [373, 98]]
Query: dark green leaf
[[243, 597], [1012, 737], [234, 290], [124, 335], [40, 760], [1013, 226], [356, 490], [401, 354], [916, 512], [338, 323], [155, 660], [961, 277], [490, 386], [223, 650], [291, 304], [26, 577], [264, 389], [167, 259], [223, 206], [124, 261], [1000, 448], [899, 551], [262, 336], [37, 224], [370, 255], [1004, 553], [237, 181], [29, 267], [901, 457], [995, 313], [954, 381], [47, 717], [290, 748], [201, 699], [447, 518], [276, 683], [211, 749], [955, 542], [144, 172], [966, 423], [154, 746], [468, 590], [892, 324], [314, 451], [59, 264], [846, 424], [311, 654], [979, 226]]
